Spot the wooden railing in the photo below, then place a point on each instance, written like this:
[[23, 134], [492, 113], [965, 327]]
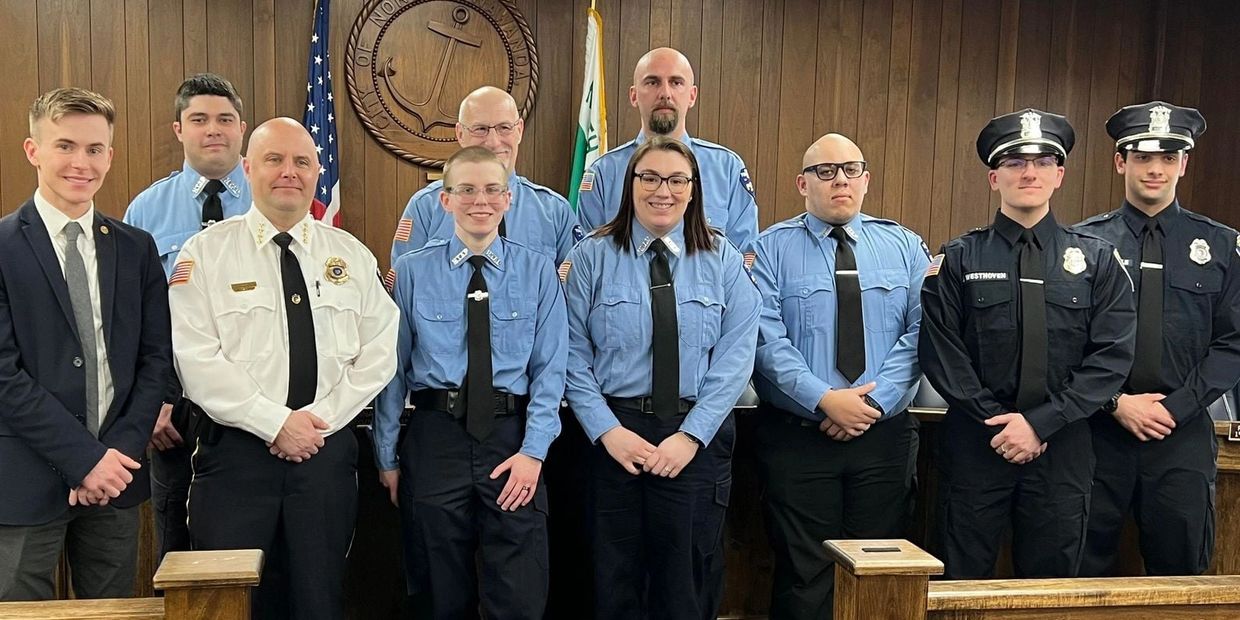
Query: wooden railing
[[198, 585], [889, 580]]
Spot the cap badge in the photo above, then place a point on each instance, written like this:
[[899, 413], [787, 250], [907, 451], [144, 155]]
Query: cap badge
[[336, 271], [1160, 120], [1031, 126], [1199, 251], [1073, 261]]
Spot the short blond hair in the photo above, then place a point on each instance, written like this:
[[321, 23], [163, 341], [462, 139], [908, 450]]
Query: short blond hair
[[57, 103], [471, 155]]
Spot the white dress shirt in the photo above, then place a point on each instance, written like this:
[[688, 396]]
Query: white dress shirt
[[55, 220], [230, 332]]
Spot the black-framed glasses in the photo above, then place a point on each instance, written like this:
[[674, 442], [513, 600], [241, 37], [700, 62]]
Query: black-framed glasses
[[501, 129], [677, 183], [1018, 164], [826, 171], [492, 192]]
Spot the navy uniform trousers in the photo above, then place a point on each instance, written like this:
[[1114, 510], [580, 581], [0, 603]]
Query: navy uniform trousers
[[300, 514], [453, 504], [1169, 482], [656, 539]]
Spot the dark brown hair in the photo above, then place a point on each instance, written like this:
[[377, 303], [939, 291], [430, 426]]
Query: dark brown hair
[[698, 235]]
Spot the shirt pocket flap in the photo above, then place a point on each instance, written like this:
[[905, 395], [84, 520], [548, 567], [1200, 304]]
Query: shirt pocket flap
[[616, 294], [1200, 281], [886, 279], [440, 309], [1075, 295], [172, 242], [987, 294], [243, 302], [806, 287], [512, 309], [703, 295]]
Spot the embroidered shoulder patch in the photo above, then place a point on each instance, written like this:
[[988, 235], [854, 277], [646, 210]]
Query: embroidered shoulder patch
[[936, 263], [403, 229], [389, 279], [564, 269], [587, 182], [181, 272]]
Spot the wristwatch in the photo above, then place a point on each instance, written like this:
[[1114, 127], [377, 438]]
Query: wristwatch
[[692, 438], [873, 403], [1111, 405]]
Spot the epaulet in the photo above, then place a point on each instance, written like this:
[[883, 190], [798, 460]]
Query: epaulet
[[879, 220], [171, 175], [797, 222], [617, 151], [1101, 217], [712, 145], [541, 189], [430, 244], [1206, 220], [432, 187], [973, 231], [1081, 232]]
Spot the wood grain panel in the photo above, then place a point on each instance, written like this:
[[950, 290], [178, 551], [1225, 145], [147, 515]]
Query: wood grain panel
[[19, 47], [107, 68]]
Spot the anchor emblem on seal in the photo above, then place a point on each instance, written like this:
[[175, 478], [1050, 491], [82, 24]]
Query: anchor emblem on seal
[[456, 35]]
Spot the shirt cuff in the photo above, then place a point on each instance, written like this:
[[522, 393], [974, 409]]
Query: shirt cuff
[[810, 392], [536, 445]]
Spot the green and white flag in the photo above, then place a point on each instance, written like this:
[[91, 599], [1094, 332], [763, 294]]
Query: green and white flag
[[592, 119]]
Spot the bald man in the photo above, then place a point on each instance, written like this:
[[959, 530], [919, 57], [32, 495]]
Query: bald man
[[282, 333], [836, 368], [663, 90], [539, 218]]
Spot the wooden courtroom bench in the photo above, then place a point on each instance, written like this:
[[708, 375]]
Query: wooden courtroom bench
[[198, 585], [889, 580]]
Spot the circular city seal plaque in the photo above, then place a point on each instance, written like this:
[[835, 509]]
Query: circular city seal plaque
[[409, 63]]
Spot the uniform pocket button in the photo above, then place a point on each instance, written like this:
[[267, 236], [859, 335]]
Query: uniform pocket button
[[77, 362]]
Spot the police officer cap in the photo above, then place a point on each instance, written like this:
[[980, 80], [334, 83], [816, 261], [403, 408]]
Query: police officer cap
[[1155, 127], [1028, 131]]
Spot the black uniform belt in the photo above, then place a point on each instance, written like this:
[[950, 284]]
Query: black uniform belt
[[445, 400], [644, 404]]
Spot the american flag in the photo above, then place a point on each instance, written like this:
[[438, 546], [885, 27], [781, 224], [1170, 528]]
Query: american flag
[[320, 118]]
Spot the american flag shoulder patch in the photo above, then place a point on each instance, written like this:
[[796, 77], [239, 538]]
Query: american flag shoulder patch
[[403, 229], [181, 272], [564, 268], [749, 258], [389, 279], [587, 182], [936, 263]]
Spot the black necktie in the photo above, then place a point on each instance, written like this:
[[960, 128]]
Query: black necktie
[[1144, 378], [212, 209], [303, 360], [479, 392], [665, 347], [849, 328], [1033, 343]]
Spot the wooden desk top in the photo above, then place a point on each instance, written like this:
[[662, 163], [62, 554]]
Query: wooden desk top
[[883, 557], [94, 609], [1077, 593], [209, 568]]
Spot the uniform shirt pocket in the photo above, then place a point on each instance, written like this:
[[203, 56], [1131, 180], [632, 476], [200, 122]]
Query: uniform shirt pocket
[[337, 312], [248, 328], [808, 302], [512, 324], [1067, 317], [440, 325], [991, 306], [171, 243], [1188, 304], [884, 296], [620, 307], [699, 312]]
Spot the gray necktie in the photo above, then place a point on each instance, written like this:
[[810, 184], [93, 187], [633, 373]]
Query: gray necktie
[[84, 316]]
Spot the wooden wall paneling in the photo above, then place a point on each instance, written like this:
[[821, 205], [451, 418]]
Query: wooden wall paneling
[[898, 85], [1032, 56], [64, 44], [1094, 146], [616, 78], [661, 24], [527, 160], [838, 74], [634, 33], [1009, 39], [381, 199], [295, 21], [194, 33], [356, 215], [738, 89], [1218, 150], [971, 196], [1134, 50], [711, 70], [941, 187], [1068, 93], [1186, 53], [686, 25], [228, 23], [919, 143], [107, 70], [873, 92], [167, 71], [795, 114], [262, 104], [556, 110], [771, 189], [19, 48], [138, 102]]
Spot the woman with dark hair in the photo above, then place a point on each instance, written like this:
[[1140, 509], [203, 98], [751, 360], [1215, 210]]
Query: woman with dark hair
[[663, 323]]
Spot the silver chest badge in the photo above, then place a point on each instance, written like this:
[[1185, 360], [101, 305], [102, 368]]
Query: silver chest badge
[[1199, 251], [1073, 260]]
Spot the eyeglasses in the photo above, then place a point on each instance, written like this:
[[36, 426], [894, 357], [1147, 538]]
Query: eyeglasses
[[1018, 164], [677, 183], [501, 129], [492, 192], [826, 171]]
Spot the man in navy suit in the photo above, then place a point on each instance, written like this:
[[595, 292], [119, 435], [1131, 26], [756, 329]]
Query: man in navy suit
[[85, 352]]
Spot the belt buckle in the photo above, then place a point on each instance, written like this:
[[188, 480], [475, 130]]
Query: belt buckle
[[647, 405], [453, 396]]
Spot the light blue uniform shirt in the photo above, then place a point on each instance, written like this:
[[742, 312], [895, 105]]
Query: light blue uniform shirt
[[610, 333], [538, 218], [171, 208], [726, 189], [529, 337], [795, 272]]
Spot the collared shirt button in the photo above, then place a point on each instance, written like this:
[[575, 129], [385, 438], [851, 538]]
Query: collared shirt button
[[77, 362], [1198, 285], [981, 299], [439, 316], [514, 315], [1073, 300], [805, 291], [174, 246]]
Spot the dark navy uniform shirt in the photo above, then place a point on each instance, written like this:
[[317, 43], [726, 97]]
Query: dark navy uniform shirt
[[1201, 299], [970, 346]]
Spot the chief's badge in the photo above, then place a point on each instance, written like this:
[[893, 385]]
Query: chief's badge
[[336, 271], [1199, 251], [1073, 260]]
